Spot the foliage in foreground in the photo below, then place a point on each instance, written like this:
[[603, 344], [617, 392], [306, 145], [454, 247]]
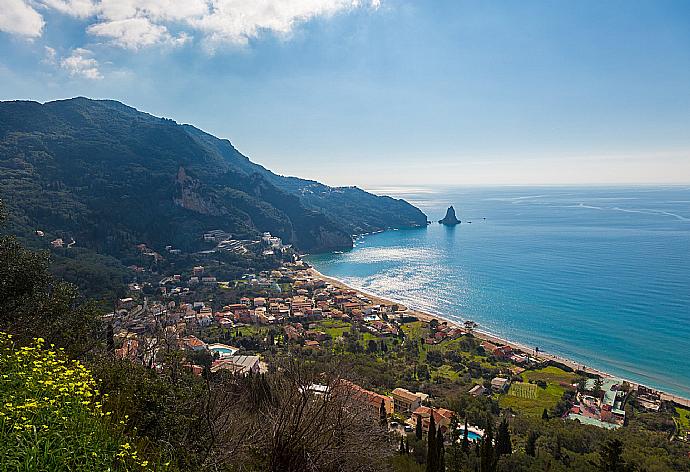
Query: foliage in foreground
[[50, 415]]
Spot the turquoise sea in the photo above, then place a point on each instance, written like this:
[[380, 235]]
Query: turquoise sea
[[597, 275]]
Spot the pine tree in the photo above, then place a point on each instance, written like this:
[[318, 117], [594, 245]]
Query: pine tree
[[531, 446], [418, 428], [503, 445], [465, 438], [431, 451]]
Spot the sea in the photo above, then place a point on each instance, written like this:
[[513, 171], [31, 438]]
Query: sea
[[598, 275]]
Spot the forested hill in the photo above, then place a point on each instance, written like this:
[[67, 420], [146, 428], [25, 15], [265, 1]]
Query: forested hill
[[111, 177]]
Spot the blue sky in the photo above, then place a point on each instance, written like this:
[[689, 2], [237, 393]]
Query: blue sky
[[384, 92]]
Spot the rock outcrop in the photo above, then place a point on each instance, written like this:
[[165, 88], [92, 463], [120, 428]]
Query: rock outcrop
[[450, 218]]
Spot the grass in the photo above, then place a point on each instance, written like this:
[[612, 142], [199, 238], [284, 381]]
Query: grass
[[334, 328], [445, 372], [415, 330], [683, 419], [534, 402], [524, 390], [550, 374]]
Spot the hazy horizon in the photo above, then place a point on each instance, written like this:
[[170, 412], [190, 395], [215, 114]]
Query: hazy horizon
[[375, 92]]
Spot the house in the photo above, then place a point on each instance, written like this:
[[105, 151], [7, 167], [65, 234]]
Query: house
[[442, 417], [193, 343], [370, 400], [477, 390], [499, 384], [129, 350], [405, 401], [237, 364]]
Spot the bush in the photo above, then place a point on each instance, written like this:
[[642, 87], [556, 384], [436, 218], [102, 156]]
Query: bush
[[50, 416]]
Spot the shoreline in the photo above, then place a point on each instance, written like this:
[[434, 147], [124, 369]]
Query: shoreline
[[487, 336]]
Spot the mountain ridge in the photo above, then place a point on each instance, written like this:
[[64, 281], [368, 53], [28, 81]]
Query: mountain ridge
[[104, 163]]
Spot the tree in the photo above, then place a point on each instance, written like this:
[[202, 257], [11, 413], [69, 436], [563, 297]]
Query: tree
[[596, 389], [531, 446], [611, 457], [487, 455], [545, 415], [418, 428], [383, 414], [440, 451], [503, 445], [402, 445], [465, 438], [110, 338], [432, 452], [34, 304]]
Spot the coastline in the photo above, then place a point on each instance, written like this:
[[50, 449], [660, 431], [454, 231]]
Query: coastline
[[487, 336]]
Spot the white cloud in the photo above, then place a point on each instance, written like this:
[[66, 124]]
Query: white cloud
[[82, 64], [134, 33], [51, 56], [134, 24], [18, 17], [78, 8]]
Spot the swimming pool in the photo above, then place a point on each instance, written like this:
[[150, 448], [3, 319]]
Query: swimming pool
[[223, 350], [471, 435]]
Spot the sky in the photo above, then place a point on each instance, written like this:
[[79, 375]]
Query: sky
[[384, 92]]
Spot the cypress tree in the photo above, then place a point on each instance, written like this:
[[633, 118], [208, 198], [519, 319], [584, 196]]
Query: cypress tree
[[440, 451], [531, 446], [418, 428], [503, 446], [110, 337], [402, 445], [487, 456], [383, 415], [465, 438], [431, 451]]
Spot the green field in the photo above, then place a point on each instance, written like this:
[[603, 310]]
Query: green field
[[334, 328], [683, 420], [550, 374], [534, 402], [523, 390]]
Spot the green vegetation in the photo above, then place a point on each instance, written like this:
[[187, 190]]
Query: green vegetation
[[683, 420], [523, 390], [111, 177], [532, 399], [51, 417]]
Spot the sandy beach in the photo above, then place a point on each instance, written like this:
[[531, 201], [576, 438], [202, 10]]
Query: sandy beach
[[484, 335]]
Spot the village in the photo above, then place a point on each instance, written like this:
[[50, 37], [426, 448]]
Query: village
[[238, 325]]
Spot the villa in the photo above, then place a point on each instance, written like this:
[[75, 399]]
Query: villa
[[405, 401]]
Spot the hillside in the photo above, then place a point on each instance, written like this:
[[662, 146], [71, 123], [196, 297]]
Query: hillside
[[111, 177]]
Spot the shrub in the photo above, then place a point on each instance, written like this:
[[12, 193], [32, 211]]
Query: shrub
[[50, 416]]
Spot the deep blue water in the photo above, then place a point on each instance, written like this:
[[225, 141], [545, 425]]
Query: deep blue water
[[598, 275]]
